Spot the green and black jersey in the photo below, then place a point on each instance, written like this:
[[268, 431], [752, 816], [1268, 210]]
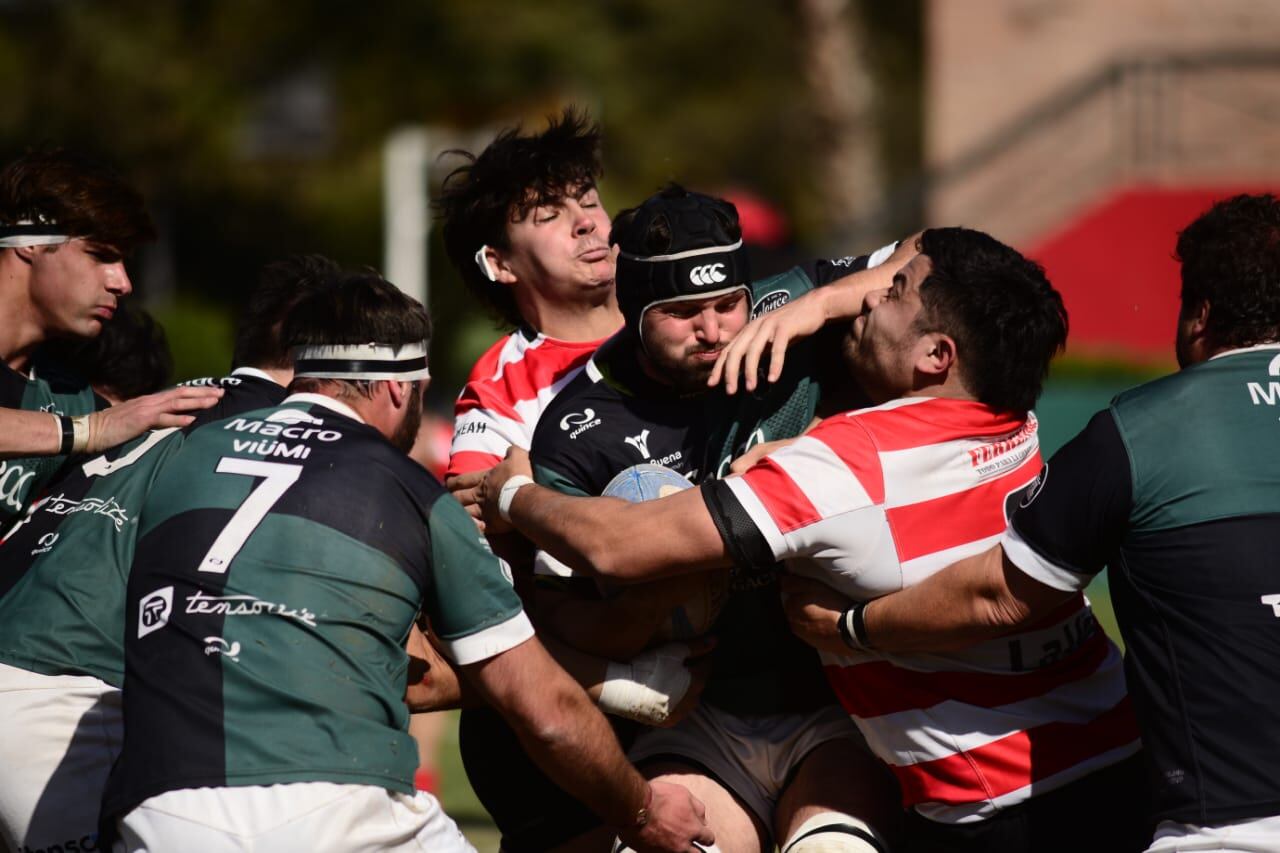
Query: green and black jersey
[[49, 388], [64, 566], [282, 557], [1176, 488]]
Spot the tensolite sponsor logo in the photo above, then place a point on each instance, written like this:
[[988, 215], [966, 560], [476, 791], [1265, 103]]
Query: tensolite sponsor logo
[[576, 423], [246, 605], [154, 610], [707, 274]]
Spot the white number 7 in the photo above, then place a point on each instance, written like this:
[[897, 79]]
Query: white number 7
[[279, 477]]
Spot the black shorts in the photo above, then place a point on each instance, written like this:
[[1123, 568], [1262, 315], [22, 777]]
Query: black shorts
[[1105, 812], [532, 812]]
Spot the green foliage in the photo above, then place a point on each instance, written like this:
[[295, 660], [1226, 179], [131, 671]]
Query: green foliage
[[256, 129], [200, 335]]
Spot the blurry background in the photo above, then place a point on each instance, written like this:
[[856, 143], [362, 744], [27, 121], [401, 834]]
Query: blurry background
[[1084, 132]]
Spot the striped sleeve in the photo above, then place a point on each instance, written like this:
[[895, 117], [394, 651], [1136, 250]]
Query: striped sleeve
[[822, 497]]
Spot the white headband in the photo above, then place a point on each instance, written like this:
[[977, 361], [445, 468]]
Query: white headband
[[362, 361], [32, 233]]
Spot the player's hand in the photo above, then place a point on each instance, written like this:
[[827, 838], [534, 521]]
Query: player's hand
[[132, 418], [756, 453], [432, 683], [677, 819], [516, 462], [813, 610], [698, 661], [464, 488], [773, 332]]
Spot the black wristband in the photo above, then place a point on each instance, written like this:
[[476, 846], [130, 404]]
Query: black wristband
[[68, 435], [853, 629]]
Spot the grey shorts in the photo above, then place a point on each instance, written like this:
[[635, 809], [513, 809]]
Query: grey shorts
[[752, 756]]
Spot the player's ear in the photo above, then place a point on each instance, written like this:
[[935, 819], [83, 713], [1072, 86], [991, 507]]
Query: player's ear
[[494, 264], [26, 254], [399, 392], [937, 354]]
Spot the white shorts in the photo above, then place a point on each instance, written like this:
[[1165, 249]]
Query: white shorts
[[1255, 835], [59, 736], [754, 756], [303, 817]]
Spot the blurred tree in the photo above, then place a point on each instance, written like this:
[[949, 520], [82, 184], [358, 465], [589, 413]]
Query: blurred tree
[[256, 129]]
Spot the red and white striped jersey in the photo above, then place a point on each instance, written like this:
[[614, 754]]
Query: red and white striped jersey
[[509, 387], [875, 500]]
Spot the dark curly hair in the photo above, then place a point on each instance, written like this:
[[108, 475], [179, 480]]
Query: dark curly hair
[[82, 195], [1007, 320], [510, 177], [1231, 258], [281, 286]]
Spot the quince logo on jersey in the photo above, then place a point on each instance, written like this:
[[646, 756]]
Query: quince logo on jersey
[[154, 610], [576, 423]]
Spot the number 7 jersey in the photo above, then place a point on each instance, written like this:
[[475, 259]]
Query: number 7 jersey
[[282, 557]]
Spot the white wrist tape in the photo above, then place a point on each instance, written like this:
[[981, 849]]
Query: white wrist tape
[[879, 256], [83, 433], [508, 494], [649, 687]]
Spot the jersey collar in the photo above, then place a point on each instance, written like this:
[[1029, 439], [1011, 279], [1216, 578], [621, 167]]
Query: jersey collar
[[323, 401]]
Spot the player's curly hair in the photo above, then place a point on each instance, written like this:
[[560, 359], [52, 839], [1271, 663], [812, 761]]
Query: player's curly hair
[[510, 177], [1007, 320], [50, 184], [1231, 258]]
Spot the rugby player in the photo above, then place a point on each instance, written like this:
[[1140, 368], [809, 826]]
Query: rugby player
[[63, 570], [66, 227], [1175, 487], [684, 287], [270, 595], [524, 226], [1004, 742]]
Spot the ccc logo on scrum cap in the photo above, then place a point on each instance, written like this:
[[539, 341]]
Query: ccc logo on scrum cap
[[707, 274]]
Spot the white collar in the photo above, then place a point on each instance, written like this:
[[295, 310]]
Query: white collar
[[1254, 348], [254, 372], [326, 402]]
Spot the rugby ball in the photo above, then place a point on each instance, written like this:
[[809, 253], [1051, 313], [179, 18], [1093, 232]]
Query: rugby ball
[[645, 482], [700, 596]]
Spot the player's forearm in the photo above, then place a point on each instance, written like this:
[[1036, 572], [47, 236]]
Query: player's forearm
[[966, 603], [25, 433], [617, 540], [562, 731]]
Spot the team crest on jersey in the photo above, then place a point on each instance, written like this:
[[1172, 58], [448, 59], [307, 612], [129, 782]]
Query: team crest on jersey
[[769, 302], [154, 610]]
